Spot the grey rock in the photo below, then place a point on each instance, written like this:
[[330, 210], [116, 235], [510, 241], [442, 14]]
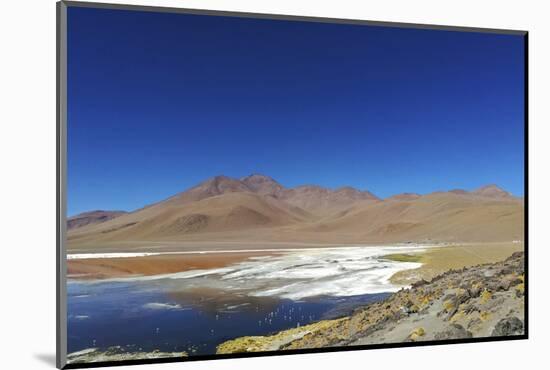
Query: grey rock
[[508, 326], [454, 331]]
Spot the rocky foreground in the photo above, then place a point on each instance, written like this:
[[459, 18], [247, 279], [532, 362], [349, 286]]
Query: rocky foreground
[[117, 353], [480, 301]]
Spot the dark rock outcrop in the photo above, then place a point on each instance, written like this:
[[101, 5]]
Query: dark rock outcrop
[[508, 326]]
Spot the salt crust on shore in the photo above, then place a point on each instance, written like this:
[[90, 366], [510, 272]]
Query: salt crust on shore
[[301, 273]]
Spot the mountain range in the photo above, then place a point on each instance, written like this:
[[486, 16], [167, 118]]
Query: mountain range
[[258, 208]]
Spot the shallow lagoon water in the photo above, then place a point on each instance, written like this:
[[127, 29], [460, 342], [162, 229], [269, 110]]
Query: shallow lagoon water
[[194, 311], [123, 314]]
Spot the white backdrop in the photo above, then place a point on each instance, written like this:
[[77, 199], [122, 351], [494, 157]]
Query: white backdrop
[[27, 206]]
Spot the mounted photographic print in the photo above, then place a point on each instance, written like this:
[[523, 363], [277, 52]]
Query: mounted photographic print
[[234, 184]]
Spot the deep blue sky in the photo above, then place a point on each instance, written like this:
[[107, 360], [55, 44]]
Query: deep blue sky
[[159, 102]]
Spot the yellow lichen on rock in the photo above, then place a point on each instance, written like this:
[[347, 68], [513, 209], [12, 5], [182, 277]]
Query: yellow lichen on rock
[[448, 305], [461, 291], [276, 341], [484, 315], [485, 297], [457, 316], [417, 333], [520, 289], [426, 300]]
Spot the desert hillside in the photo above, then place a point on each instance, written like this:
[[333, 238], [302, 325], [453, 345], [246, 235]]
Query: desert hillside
[[257, 208], [92, 217]]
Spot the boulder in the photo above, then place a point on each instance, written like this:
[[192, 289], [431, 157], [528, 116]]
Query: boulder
[[508, 326], [453, 331]]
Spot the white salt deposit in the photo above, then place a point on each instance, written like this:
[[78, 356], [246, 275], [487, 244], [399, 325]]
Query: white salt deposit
[[79, 256], [333, 272], [161, 306], [301, 273]]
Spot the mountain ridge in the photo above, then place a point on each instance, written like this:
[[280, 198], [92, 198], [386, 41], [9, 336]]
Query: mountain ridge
[[257, 207]]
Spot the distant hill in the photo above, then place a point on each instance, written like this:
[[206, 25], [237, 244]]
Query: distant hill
[[492, 191], [257, 208], [443, 216], [92, 217]]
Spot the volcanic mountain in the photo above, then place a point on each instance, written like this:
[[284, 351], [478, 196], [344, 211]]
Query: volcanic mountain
[[258, 209]]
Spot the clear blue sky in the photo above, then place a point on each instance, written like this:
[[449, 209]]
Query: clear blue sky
[[159, 102]]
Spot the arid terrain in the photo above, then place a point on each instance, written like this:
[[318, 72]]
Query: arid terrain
[[92, 217], [102, 268], [257, 210]]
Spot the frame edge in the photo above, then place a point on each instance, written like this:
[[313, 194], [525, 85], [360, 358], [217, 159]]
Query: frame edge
[[61, 123], [288, 17]]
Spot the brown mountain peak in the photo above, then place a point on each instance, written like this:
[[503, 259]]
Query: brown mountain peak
[[258, 177], [222, 184], [262, 184], [212, 187], [492, 191], [347, 190]]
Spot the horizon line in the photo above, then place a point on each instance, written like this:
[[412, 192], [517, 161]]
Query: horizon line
[[332, 189]]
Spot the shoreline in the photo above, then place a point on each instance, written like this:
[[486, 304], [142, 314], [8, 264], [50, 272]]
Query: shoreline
[[159, 264], [486, 300], [99, 266], [245, 245], [434, 259], [76, 256]]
